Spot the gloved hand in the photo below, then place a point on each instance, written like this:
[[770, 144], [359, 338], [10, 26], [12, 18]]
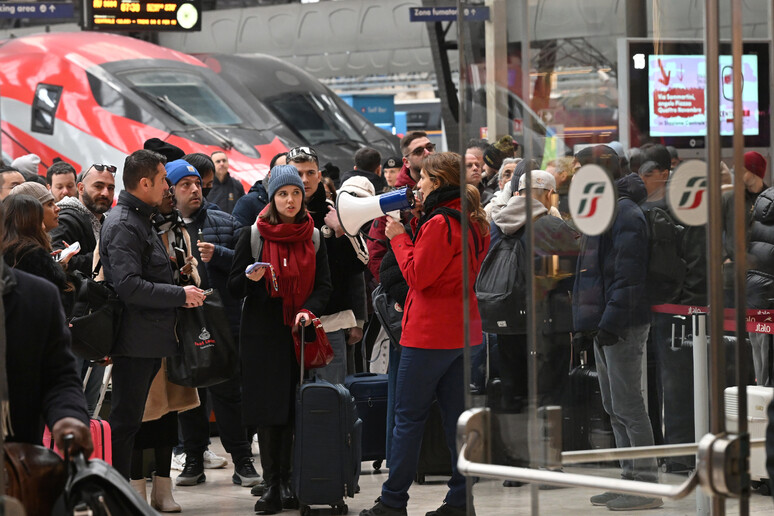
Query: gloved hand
[[605, 338], [583, 341]]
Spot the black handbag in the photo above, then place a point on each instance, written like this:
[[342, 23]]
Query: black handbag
[[96, 317], [206, 353], [389, 313]]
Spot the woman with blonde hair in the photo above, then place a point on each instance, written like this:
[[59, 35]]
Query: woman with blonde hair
[[431, 364]]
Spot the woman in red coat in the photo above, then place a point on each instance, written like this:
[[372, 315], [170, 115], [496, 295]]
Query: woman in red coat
[[431, 363]]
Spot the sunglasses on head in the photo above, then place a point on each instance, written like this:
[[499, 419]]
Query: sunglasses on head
[[305, 153], [421, 150], [101, 168]]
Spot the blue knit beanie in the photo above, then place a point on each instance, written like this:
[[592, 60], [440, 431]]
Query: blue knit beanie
[[283, 175], [178, 169]]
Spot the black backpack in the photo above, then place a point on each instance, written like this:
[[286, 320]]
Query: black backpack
[[501, 287], [666, 265]]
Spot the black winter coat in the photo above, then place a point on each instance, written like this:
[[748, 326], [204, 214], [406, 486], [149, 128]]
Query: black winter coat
[[136, 263], [44, 385], [75, 226], [251, 205], [760, 253], [37, 261], [221, 229], [227, 193], [609, 291], [269, 367], [345, 267]]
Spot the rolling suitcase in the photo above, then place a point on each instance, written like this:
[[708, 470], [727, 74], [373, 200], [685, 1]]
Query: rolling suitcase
[[434, 456], [326, 455], [370, 393], [101, 435], [585, 424]]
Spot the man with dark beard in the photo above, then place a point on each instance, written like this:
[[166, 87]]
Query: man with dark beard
[[80, 218]]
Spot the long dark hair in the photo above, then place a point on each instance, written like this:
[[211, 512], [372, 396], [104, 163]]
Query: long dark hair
[[23, 225]]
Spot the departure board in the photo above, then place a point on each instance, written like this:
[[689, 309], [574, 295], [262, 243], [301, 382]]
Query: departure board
[[143, 15]]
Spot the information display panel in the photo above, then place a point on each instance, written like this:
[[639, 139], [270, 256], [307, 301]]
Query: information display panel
[[142, 15]]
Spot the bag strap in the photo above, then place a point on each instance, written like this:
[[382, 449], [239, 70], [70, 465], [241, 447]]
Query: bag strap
[[256, 242]]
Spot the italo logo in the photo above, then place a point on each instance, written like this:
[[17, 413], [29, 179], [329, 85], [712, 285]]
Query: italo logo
[[592, 193], [693, 194]]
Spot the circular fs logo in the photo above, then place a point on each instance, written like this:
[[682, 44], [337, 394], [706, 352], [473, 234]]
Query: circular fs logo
[[592, 199], [686, 193]]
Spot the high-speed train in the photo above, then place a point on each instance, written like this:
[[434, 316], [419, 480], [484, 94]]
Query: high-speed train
[[94, 98]]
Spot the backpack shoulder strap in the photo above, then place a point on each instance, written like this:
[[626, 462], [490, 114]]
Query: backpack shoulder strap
[[256, 242]]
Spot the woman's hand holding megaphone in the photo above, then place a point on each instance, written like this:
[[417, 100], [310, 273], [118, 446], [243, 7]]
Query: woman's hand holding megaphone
[[393, 228]]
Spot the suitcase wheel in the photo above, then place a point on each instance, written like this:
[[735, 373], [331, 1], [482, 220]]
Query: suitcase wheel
[[420, 479], [377, 465], [340, 509], [306, 510]]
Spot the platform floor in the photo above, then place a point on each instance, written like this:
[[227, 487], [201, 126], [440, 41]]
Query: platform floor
[[219, 496]]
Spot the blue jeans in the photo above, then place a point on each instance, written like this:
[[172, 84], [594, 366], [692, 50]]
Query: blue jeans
[[620, 372], [422, 375], [337, 369]]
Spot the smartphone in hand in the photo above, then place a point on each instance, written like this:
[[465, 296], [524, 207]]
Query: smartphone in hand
[[70, 250], [257, 265]]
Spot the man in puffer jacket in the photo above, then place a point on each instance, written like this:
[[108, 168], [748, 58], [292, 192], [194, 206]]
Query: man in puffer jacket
[[611, 313], [760, 280]]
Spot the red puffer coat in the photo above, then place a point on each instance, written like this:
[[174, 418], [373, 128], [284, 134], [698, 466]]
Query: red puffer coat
[[432, 267]]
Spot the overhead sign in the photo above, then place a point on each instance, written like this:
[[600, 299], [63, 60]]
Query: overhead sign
[[448, 13], [57, 10], [592, 198], [686, 193], [135, 15]]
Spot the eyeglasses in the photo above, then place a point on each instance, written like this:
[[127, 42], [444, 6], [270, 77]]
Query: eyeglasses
[[101, 168], [419, 151], [304, 153]]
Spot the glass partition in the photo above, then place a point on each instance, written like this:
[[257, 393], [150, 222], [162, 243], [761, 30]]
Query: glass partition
[[595, 293]]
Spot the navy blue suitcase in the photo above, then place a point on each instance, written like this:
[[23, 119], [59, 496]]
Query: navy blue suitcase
[[370, 393], [326, 455]]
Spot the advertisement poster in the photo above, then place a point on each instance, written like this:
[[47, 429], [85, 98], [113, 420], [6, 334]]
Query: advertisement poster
[[676, 87]]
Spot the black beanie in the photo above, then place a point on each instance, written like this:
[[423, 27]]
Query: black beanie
[[494, 157], [169, 151]]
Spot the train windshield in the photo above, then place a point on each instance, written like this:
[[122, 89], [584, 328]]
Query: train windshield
[[315, 117], [186, 96]]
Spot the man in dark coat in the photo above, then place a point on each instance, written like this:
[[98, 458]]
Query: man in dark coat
[[81, 218], [136, 263], [226, 190], [345, 314], [214, 255], [611, 314]]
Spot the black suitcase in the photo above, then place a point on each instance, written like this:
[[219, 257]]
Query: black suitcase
[[326, 454], [370, 393], [434, 456], [585, 424]]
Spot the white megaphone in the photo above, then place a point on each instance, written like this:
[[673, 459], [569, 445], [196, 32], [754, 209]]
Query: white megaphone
[[355, 211]]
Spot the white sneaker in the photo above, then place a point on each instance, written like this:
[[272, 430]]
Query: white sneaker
[[212, 461], [178, 461]]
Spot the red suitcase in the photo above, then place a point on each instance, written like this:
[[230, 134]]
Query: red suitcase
[[100, 436]]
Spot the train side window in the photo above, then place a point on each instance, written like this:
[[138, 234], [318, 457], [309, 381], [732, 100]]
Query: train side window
[[44, 106]]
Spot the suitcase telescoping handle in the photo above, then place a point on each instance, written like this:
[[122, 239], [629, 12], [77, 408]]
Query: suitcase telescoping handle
[[301, 331]]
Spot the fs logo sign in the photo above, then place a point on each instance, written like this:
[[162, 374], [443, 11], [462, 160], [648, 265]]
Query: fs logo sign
[[592, 198], [687, 193]]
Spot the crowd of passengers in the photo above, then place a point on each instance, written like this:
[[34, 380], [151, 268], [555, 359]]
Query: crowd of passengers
[[594, 299]]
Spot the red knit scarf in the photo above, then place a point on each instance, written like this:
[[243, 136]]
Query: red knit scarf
[[289, 248]]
